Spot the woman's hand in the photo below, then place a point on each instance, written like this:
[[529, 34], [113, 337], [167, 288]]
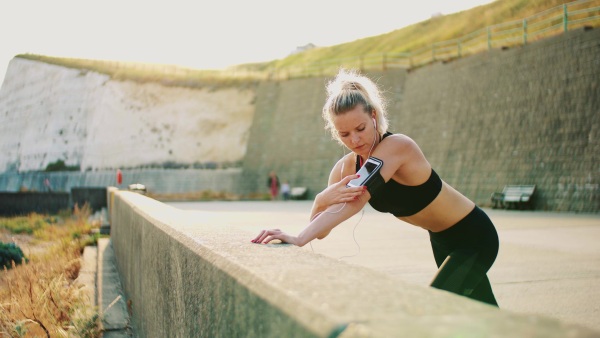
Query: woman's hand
[[340, 193], [266, 236]]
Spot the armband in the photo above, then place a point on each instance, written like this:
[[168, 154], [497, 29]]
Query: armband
[[375, 183]]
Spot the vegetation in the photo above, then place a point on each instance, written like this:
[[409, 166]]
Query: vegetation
[[59, 165], [410, 39], [10, 254], [26, 224], [41, 297], [423, 34]]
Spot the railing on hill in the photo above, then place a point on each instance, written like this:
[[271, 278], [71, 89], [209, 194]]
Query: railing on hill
[[551, 22]]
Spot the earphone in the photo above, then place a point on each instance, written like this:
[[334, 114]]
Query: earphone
[[374, 123]]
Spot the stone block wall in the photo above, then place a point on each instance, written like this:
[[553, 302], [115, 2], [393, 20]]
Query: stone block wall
[[529, 115]]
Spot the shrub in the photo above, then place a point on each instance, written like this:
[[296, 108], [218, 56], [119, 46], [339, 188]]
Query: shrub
[[9, 253], [60, 165]]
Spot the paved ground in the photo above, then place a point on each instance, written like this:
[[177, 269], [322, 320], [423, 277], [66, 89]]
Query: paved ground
[[548, 264]]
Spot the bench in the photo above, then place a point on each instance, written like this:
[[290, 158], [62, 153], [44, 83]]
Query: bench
[[298, 193], [138, 187], [518, 196]]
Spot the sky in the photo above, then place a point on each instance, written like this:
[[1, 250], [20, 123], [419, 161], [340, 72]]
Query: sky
[[197, 33]]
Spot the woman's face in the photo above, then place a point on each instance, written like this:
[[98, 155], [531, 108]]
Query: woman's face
[[356, 130]]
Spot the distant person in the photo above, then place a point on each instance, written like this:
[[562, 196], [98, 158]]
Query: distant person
[[273, 184], [463, 238], [119, 177], [47, 184], [285, 190]]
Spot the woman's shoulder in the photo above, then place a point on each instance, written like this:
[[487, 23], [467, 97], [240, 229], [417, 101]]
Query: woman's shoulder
[[401, 147], [398, 140]]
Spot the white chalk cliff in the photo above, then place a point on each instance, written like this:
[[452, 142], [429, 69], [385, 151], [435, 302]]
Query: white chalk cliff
[[50, 113]]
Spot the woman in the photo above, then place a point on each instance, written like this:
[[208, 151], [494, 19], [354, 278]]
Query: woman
[[463, 239], [273, 184]]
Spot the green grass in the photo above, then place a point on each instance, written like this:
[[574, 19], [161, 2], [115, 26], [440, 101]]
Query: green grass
[[71, 225], [27, 224], [409, 39]]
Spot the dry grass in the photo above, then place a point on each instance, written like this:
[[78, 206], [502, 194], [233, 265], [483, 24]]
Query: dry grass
[[42, 298]]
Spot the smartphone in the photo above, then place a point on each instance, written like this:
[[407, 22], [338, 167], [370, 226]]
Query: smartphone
[[366, 172]]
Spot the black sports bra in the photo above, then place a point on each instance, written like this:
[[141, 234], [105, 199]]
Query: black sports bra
[[404, 200]]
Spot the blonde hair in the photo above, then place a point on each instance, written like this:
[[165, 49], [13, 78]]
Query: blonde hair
[[346, 91]]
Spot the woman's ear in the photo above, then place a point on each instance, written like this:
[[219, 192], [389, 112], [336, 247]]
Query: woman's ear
[[374, 118]]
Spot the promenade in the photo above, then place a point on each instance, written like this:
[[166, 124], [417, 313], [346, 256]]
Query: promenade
[[548, 264]]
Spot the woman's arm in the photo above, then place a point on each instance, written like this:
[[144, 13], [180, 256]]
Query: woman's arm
[[398, 153], [334, 194], [320, 226], [336, 191]]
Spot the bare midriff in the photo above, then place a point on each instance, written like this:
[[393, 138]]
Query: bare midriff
[[444, 211]]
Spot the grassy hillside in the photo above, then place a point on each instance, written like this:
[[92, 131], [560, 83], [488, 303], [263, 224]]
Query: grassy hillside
[[503, 17], [423, 34], [443, 28]]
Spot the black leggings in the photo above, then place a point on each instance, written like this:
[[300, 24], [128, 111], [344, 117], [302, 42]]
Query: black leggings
[[464, 253]]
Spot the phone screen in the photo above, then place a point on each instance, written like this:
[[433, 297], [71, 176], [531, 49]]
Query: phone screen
[[364, 172]]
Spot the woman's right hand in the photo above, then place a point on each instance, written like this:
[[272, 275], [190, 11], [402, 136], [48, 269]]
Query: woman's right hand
[[339, 193]]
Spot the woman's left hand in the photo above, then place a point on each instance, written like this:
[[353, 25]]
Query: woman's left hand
[[265, 236]]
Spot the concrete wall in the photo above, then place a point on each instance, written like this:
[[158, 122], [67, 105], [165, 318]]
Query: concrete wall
[[528, 115], [195, 274]]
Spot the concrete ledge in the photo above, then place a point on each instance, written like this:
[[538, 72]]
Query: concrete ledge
[[87, 275], [188, 274], [83, 316], [111, 304]]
